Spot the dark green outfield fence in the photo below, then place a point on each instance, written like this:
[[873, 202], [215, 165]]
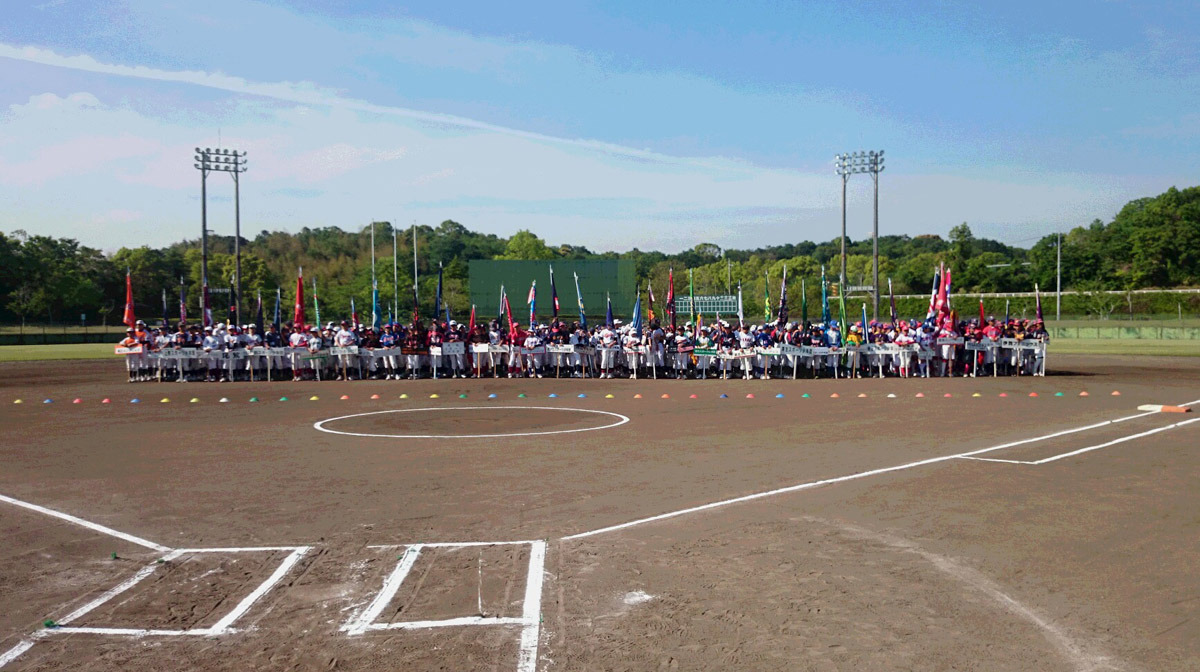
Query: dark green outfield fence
[[597, 279]]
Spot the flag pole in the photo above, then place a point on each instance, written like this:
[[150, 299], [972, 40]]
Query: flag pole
[[395, 276]]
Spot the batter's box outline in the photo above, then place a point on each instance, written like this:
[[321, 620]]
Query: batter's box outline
[[221, 627], [529, 621]]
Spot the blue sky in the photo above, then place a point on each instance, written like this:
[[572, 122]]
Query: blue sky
[[655, 125]]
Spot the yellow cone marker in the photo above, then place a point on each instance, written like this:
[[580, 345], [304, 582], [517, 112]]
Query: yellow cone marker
[[314, 398]]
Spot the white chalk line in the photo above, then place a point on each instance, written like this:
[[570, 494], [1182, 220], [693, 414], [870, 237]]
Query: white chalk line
[[1088, 449], [848, 477], [530, 620], [16, 651], [96, 527], [621, 419], [243, 606], [455, 544], [1084, 657]]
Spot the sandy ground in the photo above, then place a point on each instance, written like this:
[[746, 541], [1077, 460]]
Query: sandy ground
[[1084, 563]]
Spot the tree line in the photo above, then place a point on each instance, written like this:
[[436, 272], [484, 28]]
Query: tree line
[[1151, 242]]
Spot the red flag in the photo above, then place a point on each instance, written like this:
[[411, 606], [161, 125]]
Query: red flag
[[939, 307], [982, 322], [512, 332], [471, 323], [130, 320], [298, 313], [670, 307]]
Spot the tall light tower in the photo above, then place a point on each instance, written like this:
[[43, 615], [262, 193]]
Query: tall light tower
[[233, 162], [846, 165]]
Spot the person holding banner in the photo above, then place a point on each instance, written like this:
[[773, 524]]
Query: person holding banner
[[132, 358]]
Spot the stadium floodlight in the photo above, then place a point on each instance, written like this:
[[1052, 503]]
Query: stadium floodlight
[[234, 163], [845, 165]]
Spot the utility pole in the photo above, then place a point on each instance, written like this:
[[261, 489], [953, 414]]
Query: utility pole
[[1058, 283]]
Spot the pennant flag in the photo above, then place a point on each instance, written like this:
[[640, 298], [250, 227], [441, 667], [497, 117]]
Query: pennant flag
[[1037, 295], [933, 294], [825, 317], [471, 324], [437, 300], [579, 299], [842, 310], [259, 323], [892, 299], [939, 306], [637, 314], [130, 320], [982, 320], [375, 316], [278, 306], [650, 298], [166, 318], [416, 314], [691, 296], [353, 314], [182, 300], [1006, 310], [298, 309], [553, 294], [512, 331], [670, 307], [782, 317], [766, 297], [232, 317], [608, 316], [316, 304], [949, 293], [206, 300], [864, 314], [500, 308], [532, 301], [803, 303]]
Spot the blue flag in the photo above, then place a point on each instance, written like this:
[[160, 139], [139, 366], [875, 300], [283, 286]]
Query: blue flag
[[579, 300], [278, 307], [864, 323], [637, 314], [375, 316]]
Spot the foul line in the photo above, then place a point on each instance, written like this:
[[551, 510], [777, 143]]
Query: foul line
[[85, 523], [851, 477], [1088, 449]]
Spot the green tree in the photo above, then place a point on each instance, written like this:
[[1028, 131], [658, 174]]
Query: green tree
[[525, 246]]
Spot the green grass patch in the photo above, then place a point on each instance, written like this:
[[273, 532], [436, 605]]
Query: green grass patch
[[1126, 346], [33, 353]]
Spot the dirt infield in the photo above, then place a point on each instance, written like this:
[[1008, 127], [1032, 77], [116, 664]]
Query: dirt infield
[[909, 534]]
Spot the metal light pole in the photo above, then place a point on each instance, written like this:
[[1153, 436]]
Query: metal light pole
[[232, 162], [846, 165]]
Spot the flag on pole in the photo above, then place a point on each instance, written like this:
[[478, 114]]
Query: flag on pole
[[553, 294], [825, 317], [232, 317], [949, 292], [206, 298], [579, 299], [182, 300], [353, 315], [782, 318], [500, 308], [471, 324], [259, 323], [864, 324], [766, 297], [416, 313], [842, 311], [298, 310], [1006, 312], [691, 296], [1037, 295], [937, 279], [637, 314], [741, 316], [166, 318], [650, 298], [437, 300], [939, 305], [670, 307], [803, 303], [129, 319], [532, 301], [316, 304], [375, 316], [278, 307], [608, 316], [512, 331], [982, 319], [892, 299]]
